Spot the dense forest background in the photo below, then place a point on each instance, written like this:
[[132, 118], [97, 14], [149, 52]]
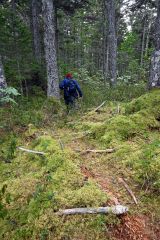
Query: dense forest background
[[103, 43]]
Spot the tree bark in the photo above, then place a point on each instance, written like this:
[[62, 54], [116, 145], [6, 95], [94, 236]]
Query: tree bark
[[16, 48], [148, 37], [154, 80], [3, 83], [50, 48], [36, 30], [112, 40]]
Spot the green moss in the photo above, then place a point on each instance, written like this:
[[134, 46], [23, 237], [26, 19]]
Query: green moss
[[148, 166], [143, 116], [38, 186], [145, 120], [118, 128], [73, 227], [147, 101], [47, 144], [35, 189], [88, 126], [31, 130], [88, 195]]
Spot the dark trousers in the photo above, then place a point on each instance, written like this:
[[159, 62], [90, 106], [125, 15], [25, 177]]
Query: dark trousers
[[70, 103]]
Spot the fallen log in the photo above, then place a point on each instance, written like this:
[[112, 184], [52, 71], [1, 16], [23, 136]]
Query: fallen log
[[128, 189], [96, 151], [31, 151], [117, 210], [100, 151]]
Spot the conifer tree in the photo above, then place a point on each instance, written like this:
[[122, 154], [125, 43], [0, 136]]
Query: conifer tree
[[112, 41], [50, 48], [154, 80]]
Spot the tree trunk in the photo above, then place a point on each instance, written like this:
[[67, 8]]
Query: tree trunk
[[56, 29], [105, 47], [148, 37], [50, 48], [3, 83], [16, 47], [112, 40], [143, 40], [36, 30], [154, 80]]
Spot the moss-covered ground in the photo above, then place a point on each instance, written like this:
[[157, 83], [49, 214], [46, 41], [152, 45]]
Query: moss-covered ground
[[34, 187]]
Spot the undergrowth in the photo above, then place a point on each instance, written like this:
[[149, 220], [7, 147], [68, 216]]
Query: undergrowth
[[134, 133], [34, 187]]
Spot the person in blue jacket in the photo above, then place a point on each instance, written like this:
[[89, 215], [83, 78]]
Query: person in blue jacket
[[72, 90]]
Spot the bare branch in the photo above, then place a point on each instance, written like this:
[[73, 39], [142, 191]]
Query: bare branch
[[96, 151], [117, 210], [31, 151], [128, 189]]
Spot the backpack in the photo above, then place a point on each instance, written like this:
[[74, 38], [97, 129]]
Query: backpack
[[71, 87]]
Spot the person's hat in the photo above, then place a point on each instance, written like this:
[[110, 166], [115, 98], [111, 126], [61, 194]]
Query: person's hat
[[68, 75]]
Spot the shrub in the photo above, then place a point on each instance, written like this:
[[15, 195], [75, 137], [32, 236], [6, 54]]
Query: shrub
[[7, 95]]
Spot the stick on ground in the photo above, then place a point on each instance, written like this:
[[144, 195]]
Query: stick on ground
[[128, 189], [31, 151], [96, 151], [117, 210]]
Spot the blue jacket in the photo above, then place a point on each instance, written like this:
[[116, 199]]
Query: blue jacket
[[64, 85]]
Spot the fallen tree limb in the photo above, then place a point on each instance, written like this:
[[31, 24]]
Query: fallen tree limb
[[128, 189], [117, 210], [96, 151], [102, 104], [100, 151], [31, 151]]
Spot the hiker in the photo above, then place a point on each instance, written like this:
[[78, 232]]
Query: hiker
[[71, 89]]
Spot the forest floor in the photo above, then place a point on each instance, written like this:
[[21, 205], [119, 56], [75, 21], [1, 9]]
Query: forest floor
[[135, 226], [34, 187]]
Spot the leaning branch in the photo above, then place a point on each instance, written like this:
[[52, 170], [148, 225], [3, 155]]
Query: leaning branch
[[129, 190], [117, 210], [95, 110], [31, 151]]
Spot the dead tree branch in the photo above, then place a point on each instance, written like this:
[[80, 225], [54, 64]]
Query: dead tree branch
[[31, 151], [117, 210], [96, 151], [128, 189]]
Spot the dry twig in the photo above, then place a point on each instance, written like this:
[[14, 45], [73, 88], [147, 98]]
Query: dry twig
[[128, 189], [31, 151], [111, 150]]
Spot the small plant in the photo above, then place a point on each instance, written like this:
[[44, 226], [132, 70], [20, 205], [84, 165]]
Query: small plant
[[44, 234], [11, 149], [7, 95], [3, 210]]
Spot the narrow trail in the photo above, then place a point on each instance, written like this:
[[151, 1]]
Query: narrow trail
[[93, 165]]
